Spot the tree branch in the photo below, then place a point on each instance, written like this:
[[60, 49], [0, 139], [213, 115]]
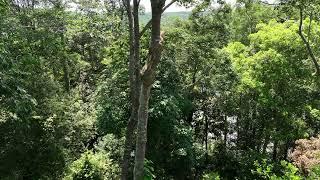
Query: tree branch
[[168, 5], [147, 26], [270, 4], [307, 44]]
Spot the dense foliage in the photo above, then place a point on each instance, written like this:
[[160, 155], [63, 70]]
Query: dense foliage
[[236, 94]]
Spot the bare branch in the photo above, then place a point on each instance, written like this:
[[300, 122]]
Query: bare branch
[[270, 4], [310, 52], [168, 5], [145, 28]]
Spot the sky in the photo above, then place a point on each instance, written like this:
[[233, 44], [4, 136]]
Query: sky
[[176, 8], [172, 8]]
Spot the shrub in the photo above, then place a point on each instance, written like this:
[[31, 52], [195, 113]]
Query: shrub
[[92, 166], [211, 176], [314, 172], [306, 155], [267, 171]]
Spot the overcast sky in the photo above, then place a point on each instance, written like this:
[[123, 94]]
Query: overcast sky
[[176, 8]]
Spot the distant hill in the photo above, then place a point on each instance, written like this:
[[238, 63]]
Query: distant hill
[[167, 17]]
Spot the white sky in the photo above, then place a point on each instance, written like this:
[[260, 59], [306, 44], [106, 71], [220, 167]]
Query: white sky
[[176, 8]]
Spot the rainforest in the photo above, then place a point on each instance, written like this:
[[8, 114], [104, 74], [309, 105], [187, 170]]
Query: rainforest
[[159, 89]]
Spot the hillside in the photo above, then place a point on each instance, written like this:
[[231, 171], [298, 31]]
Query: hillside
[[167, 17]]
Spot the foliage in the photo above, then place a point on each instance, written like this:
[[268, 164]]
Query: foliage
[[93, 166], [234, 91], [246, 16], [111, 145], [266, 171], [211, 176], [314, 172], [149, 171]]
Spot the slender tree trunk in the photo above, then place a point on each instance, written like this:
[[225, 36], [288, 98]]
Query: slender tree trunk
[[64, 62], [225, 133], [148, 77], [286, 149], [134, 42], [131, 123], [275, 150], [192, 94], [206, 129], [66, 76], [238, 124]]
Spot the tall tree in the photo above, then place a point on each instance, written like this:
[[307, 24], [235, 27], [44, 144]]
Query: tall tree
[[147, 78], [141, 80], [310, 9], [134, 66]]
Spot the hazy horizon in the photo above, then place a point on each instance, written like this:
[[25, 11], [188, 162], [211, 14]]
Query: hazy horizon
[[176, 8]]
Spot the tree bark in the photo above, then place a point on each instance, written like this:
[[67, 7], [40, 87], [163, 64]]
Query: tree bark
[[142, 132], [147, 78], [133, 21]]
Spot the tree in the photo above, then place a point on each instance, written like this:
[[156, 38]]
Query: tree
[[141, 90], [134, 78], [306, 8]]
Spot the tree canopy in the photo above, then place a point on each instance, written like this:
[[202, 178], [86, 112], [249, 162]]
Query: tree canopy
[[104, 90]]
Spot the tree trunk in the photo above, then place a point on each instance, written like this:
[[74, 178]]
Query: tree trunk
[[275, 151], [142, 132], [148, 77], [66, 76], [65, 68], [134, 42], [206, 129], [238, 123], [65, 65]]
